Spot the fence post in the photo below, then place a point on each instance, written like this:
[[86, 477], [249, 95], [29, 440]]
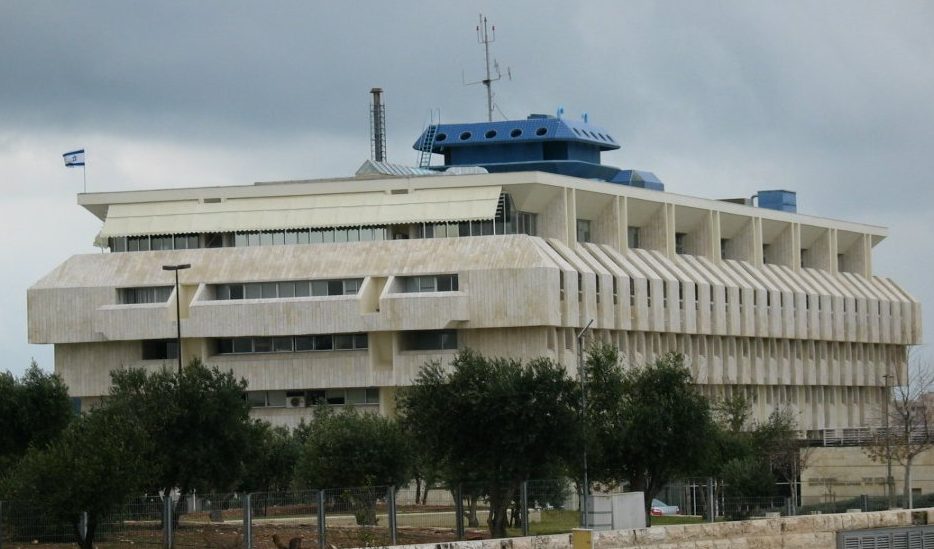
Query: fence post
[[167, 533], [711, 502], [864, 502], [459, 511], [524, 506], [322, 532], [391, 499], [1, 525], [248, 521]]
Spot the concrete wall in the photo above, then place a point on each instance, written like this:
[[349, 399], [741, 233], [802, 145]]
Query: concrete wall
[[834, 474], [806, 532]]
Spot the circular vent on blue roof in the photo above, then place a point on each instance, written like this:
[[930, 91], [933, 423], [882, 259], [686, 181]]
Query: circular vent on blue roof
[[490, 134], [515, 133], [541, 131], [441, 137], [465, 136]]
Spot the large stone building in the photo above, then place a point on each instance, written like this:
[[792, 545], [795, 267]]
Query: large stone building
[[337, 291]]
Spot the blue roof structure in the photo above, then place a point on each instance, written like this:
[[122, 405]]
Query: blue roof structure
[[539, 143], [536, 128]]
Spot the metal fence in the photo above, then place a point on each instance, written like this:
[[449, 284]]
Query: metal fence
[[342, 517]]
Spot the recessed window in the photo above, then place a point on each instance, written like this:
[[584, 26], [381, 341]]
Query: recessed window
[[515, 133], [160, 349], [430, 283], [490, 134], [632, 234], [290, 344], [541, 131], [286, 289], [153, 294], [430, 340], [441, 137], [465, 136], [583, 230]]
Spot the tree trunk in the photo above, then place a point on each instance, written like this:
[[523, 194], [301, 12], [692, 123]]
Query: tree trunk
[[87, 542], [472, 520], [418, 490], [907, 491]]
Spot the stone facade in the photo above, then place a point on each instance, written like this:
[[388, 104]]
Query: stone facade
[[805, 532], [779, 306]]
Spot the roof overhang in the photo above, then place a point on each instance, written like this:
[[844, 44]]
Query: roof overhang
[[384, 207]]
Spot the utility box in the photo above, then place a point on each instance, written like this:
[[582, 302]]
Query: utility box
[[783, 201], [624, 511]]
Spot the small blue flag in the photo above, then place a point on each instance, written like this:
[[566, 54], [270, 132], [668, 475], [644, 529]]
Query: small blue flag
[[74, 158]]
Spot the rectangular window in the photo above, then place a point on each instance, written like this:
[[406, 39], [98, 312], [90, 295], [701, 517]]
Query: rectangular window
[[160, 349], [253, 291], [583, 230], [152, 294], [681, 243], [288, 344], [429, 283], [724, 246], [430, 340], [632, 237], [766, 258]]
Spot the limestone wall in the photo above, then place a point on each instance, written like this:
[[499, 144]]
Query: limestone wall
[[805, 532], [835, 474]]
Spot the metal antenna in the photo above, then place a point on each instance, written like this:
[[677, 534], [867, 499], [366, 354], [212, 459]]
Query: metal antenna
[[486, 35], [377, 126]]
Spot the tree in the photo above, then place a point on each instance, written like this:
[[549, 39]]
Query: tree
[[909, 416], [269, 458], [355, 451], [494, 423], [33, 410], [649, 425], [93, 467], [198, 422], [778, 444]]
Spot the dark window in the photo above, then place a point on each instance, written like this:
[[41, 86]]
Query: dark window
[[515, 133], [431, 340], [541, 131], [490, 134], [465, 136], [160, 349]]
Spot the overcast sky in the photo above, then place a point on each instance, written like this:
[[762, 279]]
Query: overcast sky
[[832, 99]]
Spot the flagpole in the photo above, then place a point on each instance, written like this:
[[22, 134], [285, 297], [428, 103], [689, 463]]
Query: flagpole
[[84, 173]]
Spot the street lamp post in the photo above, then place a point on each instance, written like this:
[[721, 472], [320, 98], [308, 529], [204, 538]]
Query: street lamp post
[[178, 310], [889, 484], [582, 372]]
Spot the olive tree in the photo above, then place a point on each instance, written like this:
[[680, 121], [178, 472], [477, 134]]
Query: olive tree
[[648, 425], [494, 423]]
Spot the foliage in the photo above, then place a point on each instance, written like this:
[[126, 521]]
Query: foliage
[[93, 466], [269, 458], [494, 422], [33, 410], [347, 448], [748, 477], [198, 422], [652, 424]]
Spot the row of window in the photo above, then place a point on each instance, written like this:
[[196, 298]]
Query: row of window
[[150, 294], [424, 340], [356, 396], [292, 344], [429, 283], [286, 289]]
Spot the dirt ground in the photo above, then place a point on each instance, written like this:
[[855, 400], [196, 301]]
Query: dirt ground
[[218, 536]]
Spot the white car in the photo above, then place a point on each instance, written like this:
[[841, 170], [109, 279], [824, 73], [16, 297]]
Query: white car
[[659, 508]]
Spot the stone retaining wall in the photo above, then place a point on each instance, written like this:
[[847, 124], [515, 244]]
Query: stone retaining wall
[[804, 532]]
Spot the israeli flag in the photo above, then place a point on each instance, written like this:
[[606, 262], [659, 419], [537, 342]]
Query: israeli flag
[[74, 158]]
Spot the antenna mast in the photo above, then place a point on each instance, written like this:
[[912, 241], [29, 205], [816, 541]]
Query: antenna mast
[[377, 126], [486, 35]]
